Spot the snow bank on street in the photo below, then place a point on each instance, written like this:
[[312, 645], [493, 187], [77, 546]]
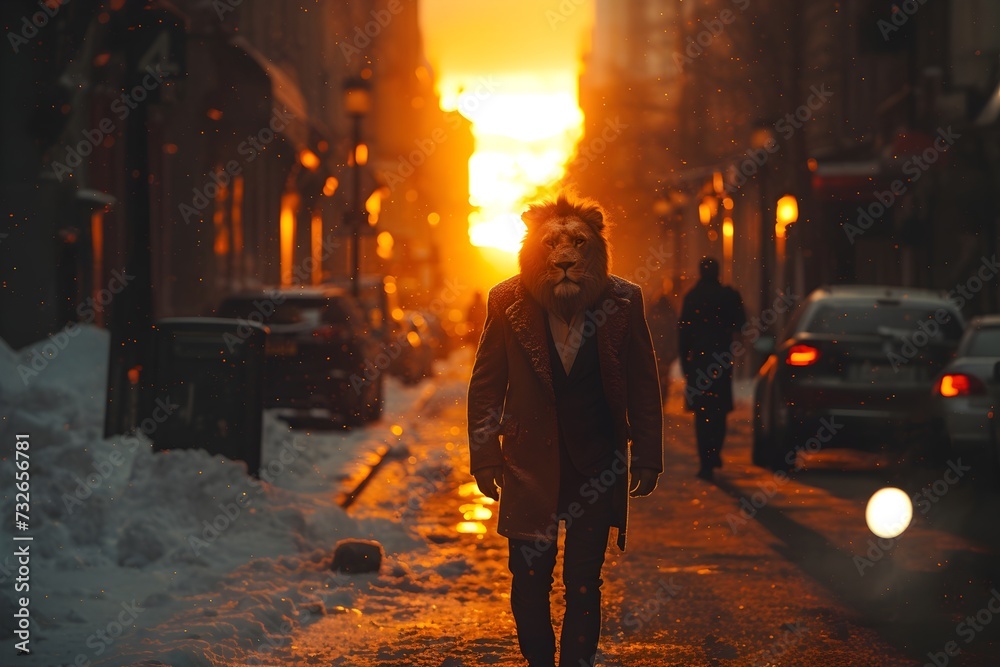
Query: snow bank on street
[[180, 556]]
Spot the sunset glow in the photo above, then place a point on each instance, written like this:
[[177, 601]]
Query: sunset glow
[[523, 141], [525, 116]]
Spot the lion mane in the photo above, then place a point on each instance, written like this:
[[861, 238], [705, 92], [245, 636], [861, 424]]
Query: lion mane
[[564, 258]]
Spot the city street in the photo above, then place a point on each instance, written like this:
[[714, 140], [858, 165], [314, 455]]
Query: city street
[[278, 275], [798, 581]]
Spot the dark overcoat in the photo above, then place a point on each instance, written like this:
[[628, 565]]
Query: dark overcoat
[[512, 410], [712, 313]]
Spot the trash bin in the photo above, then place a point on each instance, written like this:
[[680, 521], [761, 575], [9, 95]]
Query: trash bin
[[206, 390]]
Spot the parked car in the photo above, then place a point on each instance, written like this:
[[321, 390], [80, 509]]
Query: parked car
[[967, 389], [402, 334], [861, 357], [411, 355], [319, 350]]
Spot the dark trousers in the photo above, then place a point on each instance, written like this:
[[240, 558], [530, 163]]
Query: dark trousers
[[531, 563], [710, 431]]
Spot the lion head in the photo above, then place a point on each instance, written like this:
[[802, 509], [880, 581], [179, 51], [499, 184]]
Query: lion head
[[564, 257]]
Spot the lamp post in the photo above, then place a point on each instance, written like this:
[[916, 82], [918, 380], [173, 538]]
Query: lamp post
[[762, 138], [357, 103], [727, 239], [785, 213]]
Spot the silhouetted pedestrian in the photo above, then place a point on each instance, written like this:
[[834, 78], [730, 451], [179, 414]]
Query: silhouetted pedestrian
[[711, 317]]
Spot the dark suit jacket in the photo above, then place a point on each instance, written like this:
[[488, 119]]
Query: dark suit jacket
[[512, 414]]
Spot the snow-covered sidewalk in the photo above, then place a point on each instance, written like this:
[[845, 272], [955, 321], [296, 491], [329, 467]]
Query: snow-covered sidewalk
[[175, 558]]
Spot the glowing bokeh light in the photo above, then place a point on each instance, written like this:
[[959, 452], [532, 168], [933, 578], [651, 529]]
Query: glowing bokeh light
[[523, 142], [889, 512], [516, 79], [478, 513], [470, 528], [469, 489]]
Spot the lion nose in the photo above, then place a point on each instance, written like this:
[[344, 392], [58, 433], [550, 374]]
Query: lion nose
[[565, 266]]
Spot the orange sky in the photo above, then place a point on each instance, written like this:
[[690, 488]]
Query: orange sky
[[516, 63], [470, 38]]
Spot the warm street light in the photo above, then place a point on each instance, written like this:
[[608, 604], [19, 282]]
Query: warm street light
[[786, 213], [330, 186], [384, 243], [373, 205], [357, 103], [357, 96], [718, 182], [705, 211], [308, 159], [727, 247], [361, 154]]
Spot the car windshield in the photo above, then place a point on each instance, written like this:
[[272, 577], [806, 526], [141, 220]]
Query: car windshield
[[889, 320], [984, 343]]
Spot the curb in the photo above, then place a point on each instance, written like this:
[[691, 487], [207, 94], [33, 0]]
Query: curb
[[386, 450]]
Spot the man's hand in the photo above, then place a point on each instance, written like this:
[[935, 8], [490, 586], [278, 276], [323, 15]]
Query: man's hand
[[488, 479], [642, 483]]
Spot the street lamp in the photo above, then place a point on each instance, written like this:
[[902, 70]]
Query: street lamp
[[357, 103], [727, 238], [785, 214], [707, 209]]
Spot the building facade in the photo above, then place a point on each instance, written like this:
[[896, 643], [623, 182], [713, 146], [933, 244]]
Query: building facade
[[217, 131]]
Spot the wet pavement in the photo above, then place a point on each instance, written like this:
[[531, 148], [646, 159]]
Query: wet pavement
[[755, 569]]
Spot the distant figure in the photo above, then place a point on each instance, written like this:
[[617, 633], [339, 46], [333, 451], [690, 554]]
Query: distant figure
[[475, 317], [711, 318], [564, 417], [662, 317]]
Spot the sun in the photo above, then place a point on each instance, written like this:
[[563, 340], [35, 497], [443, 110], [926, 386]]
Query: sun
[[512, 68], [524, 138]]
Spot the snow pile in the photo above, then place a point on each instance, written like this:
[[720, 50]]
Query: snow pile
[[137, 553]]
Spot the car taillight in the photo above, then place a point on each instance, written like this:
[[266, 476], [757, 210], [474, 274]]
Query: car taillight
[[959, 384], [802, 355]]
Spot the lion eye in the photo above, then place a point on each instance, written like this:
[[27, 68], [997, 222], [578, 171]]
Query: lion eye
[[578, 242], [550, 243]]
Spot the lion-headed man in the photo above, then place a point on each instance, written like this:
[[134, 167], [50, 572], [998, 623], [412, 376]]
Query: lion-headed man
[[565, 418]]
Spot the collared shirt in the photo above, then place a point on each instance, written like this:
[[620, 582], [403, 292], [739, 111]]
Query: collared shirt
[[568, 337]]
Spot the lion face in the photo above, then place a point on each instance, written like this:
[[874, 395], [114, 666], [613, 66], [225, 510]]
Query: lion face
[[564, 257]]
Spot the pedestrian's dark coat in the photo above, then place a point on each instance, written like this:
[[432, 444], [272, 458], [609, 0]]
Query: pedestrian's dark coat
[[711, 314], [512, 412]]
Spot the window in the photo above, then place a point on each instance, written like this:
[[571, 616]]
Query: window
[[896, 321]]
